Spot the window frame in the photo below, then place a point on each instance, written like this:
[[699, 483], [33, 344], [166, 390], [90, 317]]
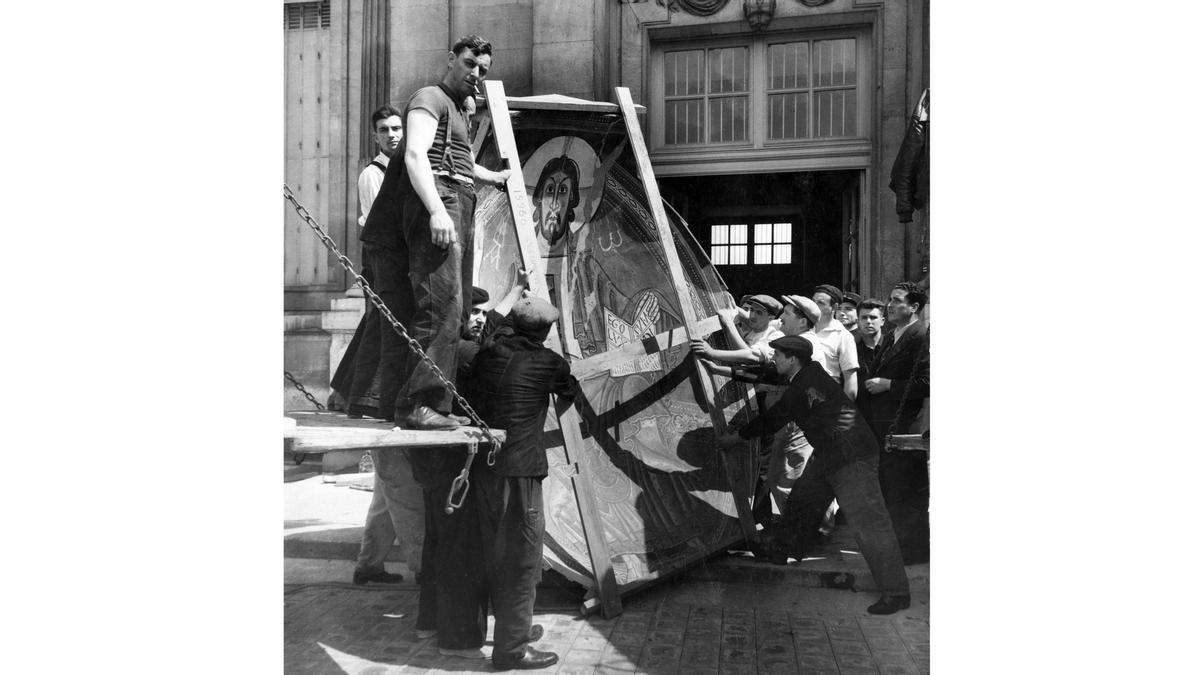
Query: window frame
[[758, 109]]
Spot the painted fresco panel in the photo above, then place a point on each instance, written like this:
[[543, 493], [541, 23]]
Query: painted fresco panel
[[662, 497]]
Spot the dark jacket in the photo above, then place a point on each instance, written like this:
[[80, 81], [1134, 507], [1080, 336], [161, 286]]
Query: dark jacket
[[903, 362], [910, 171], [819, 406], [511, 383]]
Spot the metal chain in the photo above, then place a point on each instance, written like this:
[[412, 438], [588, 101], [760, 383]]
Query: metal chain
[[304, 391], [399, 328]]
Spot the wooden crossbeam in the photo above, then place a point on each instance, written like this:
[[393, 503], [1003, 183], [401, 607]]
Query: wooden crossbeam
[[637, 143], [568, 420], [606, 361], [317, 433]]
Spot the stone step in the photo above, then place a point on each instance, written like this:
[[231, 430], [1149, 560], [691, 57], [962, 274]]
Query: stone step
[[301, 321], [348, 305]]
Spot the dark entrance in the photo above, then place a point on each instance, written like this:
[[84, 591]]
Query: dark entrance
[[774, 233]]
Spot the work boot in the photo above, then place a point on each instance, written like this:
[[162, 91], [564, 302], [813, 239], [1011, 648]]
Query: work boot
[[531, 659], [424, 417], [361, 577], [890, 604]]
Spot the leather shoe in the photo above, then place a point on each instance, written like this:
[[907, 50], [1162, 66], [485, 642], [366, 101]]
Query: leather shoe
[[461, 419], [531, 659], [361, 577], [890, 604], [424, 417], [536, 632]]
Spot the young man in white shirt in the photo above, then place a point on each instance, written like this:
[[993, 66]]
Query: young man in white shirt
[[841, 357]]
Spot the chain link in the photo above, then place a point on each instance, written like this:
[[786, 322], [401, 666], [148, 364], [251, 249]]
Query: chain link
[[304, 391], [399, 328]]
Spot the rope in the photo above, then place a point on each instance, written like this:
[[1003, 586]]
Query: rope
[[460, 482]]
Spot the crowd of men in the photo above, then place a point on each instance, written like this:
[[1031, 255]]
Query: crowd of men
[[829, 385]]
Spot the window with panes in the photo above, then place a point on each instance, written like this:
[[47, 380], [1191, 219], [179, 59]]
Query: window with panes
[[760, 91], [751, 243]]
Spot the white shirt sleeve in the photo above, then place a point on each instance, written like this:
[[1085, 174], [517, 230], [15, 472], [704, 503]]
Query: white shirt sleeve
[[368, 186], [847, 352]]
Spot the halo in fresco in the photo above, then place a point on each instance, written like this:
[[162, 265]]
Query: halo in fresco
[[559, 176]]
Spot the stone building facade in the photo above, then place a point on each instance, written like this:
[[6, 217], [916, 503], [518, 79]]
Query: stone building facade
[[772, 125]]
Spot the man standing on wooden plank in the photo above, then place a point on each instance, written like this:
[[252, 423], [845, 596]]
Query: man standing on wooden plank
[[388, 131], [419, 239], [844, 464], [512, 380]]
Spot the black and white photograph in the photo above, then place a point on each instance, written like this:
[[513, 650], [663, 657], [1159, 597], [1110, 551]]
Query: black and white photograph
[[598, 336]]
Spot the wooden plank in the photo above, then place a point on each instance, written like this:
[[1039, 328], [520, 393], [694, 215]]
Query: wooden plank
[[606, 361], [568, 421], [907, 442], [565, 104], [314, 432], [637, 144]]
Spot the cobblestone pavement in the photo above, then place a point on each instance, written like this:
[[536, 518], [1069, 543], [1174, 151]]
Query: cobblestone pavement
[[344, 629]]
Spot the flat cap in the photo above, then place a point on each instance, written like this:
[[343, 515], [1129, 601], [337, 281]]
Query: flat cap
[[794, 343], [533, 314], [478, 296], [852, 298], [830, 290], [807, 307], [745, 299], [766, 302]]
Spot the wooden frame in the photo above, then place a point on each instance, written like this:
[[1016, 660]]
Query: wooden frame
[[568, 420], [637, 144]]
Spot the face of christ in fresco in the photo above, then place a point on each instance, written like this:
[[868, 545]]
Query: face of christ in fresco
[[555, 198]]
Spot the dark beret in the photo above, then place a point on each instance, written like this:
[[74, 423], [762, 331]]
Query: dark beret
[[766, 302], [852, 298], [832, 291], [478, 296], [533, 314], [794, 343]]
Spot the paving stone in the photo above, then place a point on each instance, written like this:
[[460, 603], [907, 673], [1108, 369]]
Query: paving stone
[[898, 669], [900, 656], [665, 637], [849, 647], [733, 655], [627, 639], [858, 671], [777, 665], [590, 643], [814, 662], [885, 643], [845, 633], [698, 671], [878, 628], [737, 642], [921, 650], [814, 648], [739, 669], [845, 661], [582, 656], [809, 634], [576, 668]]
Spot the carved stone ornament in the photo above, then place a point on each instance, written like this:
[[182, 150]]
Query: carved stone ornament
[[758, 13], [814, 3], [694, 7]]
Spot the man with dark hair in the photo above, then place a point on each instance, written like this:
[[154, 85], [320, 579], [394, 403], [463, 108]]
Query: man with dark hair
[[900, 373], [512, 381], [418, 235], [388, 132], [848, 314], [866, 342], [844, 464], [840, 358], [555, 198]]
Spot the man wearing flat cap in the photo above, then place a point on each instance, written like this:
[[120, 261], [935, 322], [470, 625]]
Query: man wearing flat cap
[[840, 357], [844, 463], [786, 453], [848, 314], [512, 380]]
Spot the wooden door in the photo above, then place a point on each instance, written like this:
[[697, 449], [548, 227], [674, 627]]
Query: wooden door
[[306, 140]]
